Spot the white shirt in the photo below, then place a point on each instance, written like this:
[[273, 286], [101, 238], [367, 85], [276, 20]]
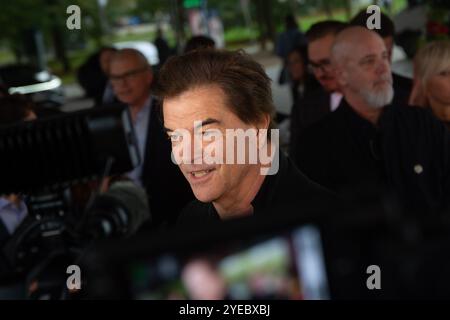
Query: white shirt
[[11, 214], [335, 100], [140, 124]]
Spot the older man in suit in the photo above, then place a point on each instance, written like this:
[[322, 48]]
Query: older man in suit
[[131, 77]]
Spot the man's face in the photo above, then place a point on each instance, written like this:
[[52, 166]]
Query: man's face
[[130, 80], [319, 52], [296, 66], [209, 182], [203, 282], [367, 72]]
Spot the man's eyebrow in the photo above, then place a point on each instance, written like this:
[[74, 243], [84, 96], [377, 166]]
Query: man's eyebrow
[[203, 123], [207, 122], [371, 55], [321, 61]]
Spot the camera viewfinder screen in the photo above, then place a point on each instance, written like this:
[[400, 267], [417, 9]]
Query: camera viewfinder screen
[[287, 266]]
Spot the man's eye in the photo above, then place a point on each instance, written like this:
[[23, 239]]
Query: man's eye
[[445, 73], [369, 62]]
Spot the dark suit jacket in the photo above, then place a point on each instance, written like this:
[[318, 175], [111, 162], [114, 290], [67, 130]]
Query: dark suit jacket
[[4, 236], [167, 188]]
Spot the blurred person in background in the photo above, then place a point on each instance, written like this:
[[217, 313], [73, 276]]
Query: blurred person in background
[[402, 85], [300, 79], [291, 37], [369, 150], [162, 46], [203, 280], [93, 75], [199, 42], [322, 96], [297, 64], [14, 109], [432, 79]]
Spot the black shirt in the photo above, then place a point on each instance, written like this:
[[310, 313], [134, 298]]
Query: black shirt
[[406, 157], [288, 189]]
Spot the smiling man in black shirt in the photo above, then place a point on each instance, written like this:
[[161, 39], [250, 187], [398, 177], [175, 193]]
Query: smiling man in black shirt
[[212, 99]]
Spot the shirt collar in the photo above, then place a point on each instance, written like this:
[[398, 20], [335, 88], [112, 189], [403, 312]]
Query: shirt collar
[[335, 100], [4, 203]]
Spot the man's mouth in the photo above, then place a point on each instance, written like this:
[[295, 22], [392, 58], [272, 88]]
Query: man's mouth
[[201, 173], [383, 81], [326, 79]]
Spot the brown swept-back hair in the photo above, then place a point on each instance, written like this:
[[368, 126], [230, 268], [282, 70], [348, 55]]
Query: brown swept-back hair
[[243, 80]]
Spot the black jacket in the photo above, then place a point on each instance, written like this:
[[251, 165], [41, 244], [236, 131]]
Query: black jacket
[[4, 234], [288, 191], [406, 158], [315, 105], [402, 89], [312, 107]]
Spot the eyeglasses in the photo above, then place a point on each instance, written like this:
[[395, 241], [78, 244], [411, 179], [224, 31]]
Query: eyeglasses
[[126, 76], [323, 65]]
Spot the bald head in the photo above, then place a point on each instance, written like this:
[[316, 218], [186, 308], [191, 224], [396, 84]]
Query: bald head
[[350, 40], [132, 55]]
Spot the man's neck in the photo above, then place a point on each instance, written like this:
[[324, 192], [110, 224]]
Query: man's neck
[[233, 207], [363, 109]]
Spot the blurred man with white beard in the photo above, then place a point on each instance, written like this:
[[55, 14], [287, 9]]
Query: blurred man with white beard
[[370, 150]]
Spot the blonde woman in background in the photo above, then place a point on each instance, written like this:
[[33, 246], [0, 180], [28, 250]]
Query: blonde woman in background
[[432, 79]]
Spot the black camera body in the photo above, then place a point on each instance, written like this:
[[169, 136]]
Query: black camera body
[[43, 160]]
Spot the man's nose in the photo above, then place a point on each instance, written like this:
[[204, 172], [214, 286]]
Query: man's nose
[[192, 145], [383, 67], [119, 83], [197, 148]]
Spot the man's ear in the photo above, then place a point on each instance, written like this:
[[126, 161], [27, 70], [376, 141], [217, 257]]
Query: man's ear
[[264, 122]]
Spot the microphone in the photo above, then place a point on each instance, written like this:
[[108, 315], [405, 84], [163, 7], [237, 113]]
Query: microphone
[[60, 151], [119, 212]]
